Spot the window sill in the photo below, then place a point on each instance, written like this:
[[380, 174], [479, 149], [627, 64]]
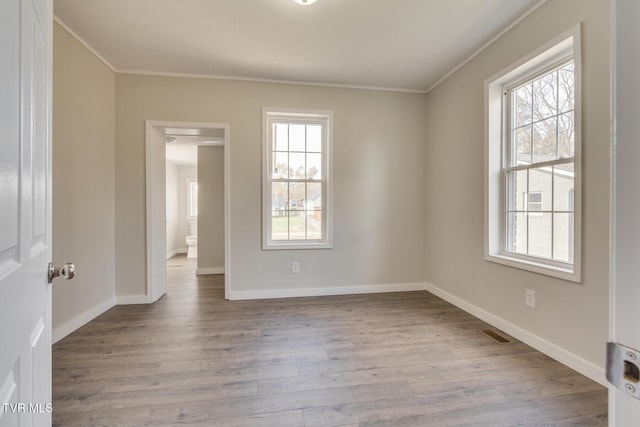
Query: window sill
[[572, 275], [295, 246]]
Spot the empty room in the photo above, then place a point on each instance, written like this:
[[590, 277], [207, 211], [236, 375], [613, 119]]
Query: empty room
[[319, 213]]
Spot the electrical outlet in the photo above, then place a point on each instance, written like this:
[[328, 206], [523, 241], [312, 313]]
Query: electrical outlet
[[530, 298], [295, 267]]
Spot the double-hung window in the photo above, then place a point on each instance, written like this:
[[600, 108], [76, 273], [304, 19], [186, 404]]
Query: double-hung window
[[533, 162], [297, 179]]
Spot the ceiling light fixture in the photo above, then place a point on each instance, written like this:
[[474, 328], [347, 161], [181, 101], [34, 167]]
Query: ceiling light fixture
[[170, 139], [305, 2]]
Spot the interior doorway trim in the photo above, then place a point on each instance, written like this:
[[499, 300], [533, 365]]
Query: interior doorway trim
[[155, 188]]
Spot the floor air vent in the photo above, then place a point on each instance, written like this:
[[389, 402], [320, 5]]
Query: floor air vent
[[495, 335]]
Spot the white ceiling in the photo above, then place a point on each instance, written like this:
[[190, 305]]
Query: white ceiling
[[184, 150], [399, 44]]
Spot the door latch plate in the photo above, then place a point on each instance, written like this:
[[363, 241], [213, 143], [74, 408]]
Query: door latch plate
[[623, 368]]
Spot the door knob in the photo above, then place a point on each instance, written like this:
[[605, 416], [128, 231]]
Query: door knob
[[67, 271]]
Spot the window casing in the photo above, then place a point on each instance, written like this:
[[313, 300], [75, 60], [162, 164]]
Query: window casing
[[296, 179], [533, 182]]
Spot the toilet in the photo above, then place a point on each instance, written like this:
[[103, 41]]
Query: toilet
[[192, 240]]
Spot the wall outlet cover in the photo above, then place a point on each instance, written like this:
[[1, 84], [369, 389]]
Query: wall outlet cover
[[530, 298]]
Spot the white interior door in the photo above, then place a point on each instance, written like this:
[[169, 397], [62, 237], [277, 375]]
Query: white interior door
[[25, 212], [624, 410]]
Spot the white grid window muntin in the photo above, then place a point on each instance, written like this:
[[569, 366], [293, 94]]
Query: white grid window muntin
[[297, 191], [540, 157]]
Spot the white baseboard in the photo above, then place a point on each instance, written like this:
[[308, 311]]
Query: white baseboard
[[132, 299], [210, 270], [176, 252], [330, 290], [71, 325], [558, 353]]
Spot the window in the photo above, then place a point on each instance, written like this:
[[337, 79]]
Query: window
[[297, 179], [533, 168], [192, 192]]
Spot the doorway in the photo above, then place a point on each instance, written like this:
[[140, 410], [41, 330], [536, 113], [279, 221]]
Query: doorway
[[213, 137]]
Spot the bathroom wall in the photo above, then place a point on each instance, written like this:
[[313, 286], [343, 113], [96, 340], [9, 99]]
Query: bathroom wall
[[173, 242], [211, 210], [185, 172]]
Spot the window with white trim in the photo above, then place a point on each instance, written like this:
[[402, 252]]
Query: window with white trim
[[297, 179], [192, 192], [533, 161]]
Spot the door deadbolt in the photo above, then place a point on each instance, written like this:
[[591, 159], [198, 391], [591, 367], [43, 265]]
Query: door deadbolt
[[67, 271]]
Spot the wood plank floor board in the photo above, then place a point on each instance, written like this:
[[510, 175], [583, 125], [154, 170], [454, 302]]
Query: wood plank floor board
[[349, 378], [398, 359], [392, 409], [308, 399], [534, 413], [273, 419]]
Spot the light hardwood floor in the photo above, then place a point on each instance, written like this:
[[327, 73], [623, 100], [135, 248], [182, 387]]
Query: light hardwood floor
[[401, 359]]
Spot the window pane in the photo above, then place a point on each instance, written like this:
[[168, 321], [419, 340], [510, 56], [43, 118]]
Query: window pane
[[522, 106], [522, 140], [314, 138], [563, 187], [545, 96], [540, 235], [296, 138], [314, 196], [280, 165], [517, 224], [544, 140], [282, 137], [540, 183], [296, 166], [566, 88], [563, 237], [297, 225], [279, 197], [517, 190], [280, 226], [314, 166], [566, 144], [296, 196], [314, 225]]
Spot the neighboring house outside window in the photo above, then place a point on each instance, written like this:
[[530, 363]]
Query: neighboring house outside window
[[534, 201], [297, 179], [533, 169]]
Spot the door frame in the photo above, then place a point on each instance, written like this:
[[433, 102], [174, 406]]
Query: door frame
[[156, 218], [624, 296]]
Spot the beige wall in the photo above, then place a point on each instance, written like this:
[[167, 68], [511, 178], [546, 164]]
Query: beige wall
[[571, 316], [378, 175], [211, 207], [83, 178]]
